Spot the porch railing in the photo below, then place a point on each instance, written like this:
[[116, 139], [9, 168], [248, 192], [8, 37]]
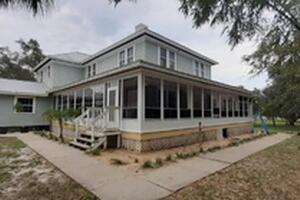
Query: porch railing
[[97, 120]]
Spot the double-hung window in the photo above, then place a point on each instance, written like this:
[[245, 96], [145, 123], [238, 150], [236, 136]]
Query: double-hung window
[[94, 69], [202, 70], [163, 57], [89, 73], [129, 55], [171, 60], [24, 105], [196, 68], [122, 58]]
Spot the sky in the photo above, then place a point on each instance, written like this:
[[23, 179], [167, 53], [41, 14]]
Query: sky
[[91, 25]]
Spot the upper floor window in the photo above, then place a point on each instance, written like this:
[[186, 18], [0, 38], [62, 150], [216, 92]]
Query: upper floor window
[[126, 56], [163, 57], [202, 70], [94, 69], [49, 71], [122, 58], [42, 76], [129, 55], [197, 68], [89, 73], [24, 105], [171, 60]]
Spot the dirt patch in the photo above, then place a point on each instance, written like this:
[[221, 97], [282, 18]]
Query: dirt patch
[[26, 175], [273, 173]]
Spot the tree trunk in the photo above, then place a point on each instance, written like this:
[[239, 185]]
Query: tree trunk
[[61, 127], [273, 121], [291, 122]]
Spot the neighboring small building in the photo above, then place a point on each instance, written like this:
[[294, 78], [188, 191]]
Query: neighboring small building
[[145, 92], [22, 104]]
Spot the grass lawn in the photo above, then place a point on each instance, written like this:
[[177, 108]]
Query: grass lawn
[[280, 126], [273, 173], [25, 175]]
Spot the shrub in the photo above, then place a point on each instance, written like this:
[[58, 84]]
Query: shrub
[[136, 160], [115, 161], [181, 155], [147, 164], [94, 152], [158, 162], [215, 148], [169, 157]]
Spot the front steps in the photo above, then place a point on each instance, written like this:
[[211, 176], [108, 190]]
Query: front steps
[[84, 140]]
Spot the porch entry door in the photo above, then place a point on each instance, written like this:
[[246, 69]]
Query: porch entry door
[[113, 107]]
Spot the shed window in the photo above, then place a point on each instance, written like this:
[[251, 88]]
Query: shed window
[[130, 98], [94, 69], [24, 105], [152, 98], [89, 73], [202, 70]]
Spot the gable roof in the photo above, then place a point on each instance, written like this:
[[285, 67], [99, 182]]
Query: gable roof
[[72, 57], [26, 88], [142, 30]]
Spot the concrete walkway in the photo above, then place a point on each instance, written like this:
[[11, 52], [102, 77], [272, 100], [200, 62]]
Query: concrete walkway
[[110, 182]]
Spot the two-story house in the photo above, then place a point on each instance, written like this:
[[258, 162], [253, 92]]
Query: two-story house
[[144, 92]]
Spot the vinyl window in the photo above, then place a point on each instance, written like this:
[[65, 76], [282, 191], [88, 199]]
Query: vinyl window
[[24, 105]]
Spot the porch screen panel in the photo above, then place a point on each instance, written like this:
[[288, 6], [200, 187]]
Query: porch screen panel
[[71, 100], [216, 104], [197, 100], [236, 106], [152, 98], [59, 102], [207, 103], [241, 103], [130, 98], [99, 96], [79, 94], [185, 111], [170, 99], [88, 98], [64, 102], [246, 106], [230, 107], [223, 106]]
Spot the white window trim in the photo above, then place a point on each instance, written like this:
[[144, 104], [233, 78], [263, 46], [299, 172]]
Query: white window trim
[[33, 105], [195, 66], [125, 49], [167, 57]]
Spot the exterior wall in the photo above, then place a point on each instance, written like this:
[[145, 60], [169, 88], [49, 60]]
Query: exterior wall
[[184, 62], [164, 140], [64, 74], [110, 60], [46, 79], [9, 118]]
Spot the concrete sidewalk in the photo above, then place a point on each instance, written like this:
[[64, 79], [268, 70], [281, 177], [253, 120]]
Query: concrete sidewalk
[[110, 182]]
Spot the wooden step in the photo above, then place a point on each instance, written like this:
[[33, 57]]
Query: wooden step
[[84, 140], [79, 145]]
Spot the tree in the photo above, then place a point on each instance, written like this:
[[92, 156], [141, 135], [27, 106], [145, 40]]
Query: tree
[[60, 116], [34, 6], [18, 65]]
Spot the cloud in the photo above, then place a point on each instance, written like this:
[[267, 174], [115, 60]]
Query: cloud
[[89, 26]]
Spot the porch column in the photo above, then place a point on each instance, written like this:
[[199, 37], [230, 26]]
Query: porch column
[[178, 101], [212, 103], [140, 103], [202, 102], [227, 106], [191, 88], [220, 105]]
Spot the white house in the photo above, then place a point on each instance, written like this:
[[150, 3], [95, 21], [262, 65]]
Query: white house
[[144, 92]]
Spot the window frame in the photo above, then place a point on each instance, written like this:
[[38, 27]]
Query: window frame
[[49, 71], [125, 50], [196, 68], [94, 69], [127, 108], [25, 97], [167, 58]]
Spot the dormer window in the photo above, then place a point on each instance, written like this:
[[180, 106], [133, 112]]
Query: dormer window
[[167, 58], [129, 55], [122, 58]]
